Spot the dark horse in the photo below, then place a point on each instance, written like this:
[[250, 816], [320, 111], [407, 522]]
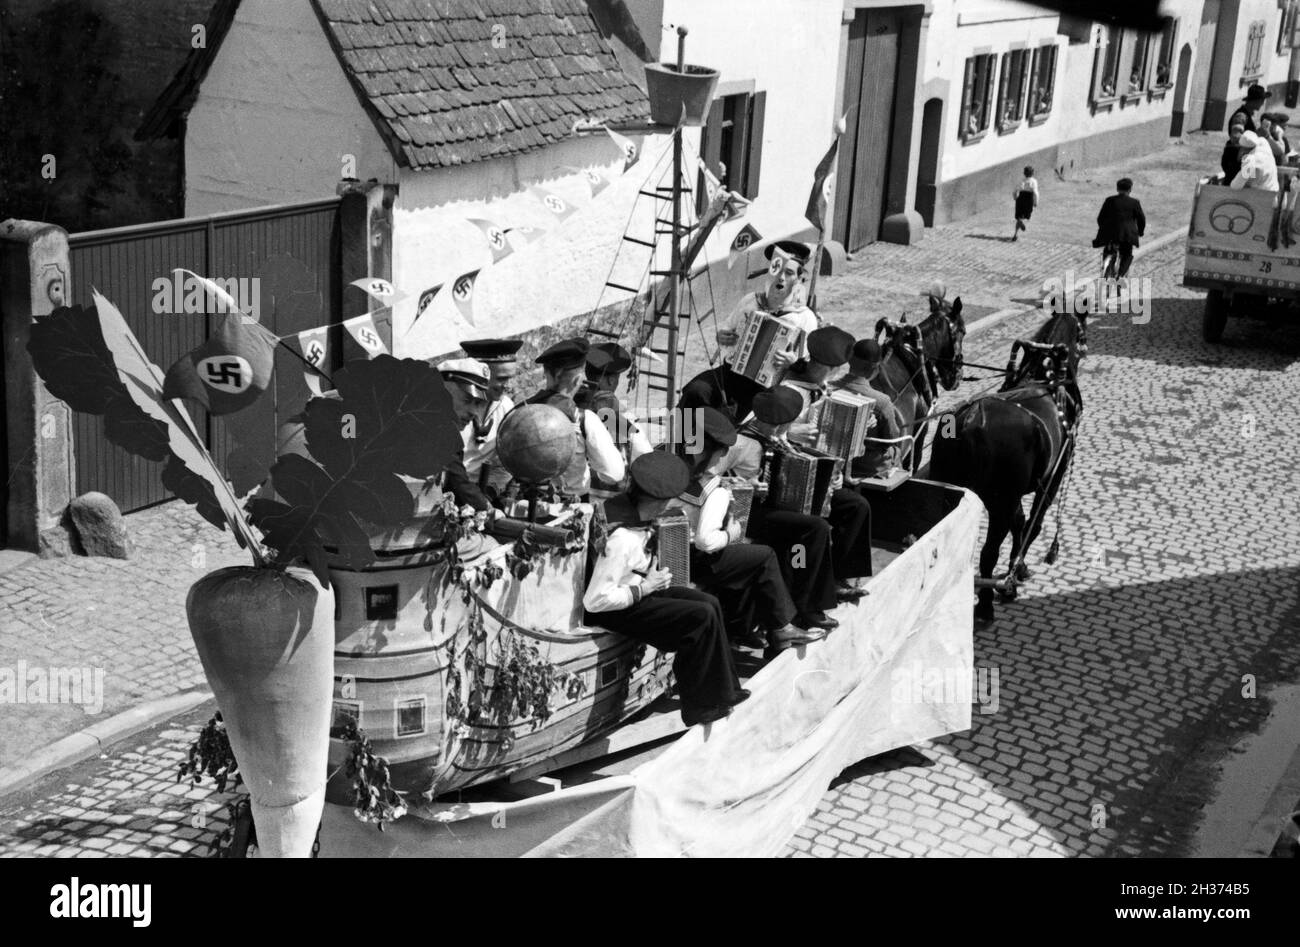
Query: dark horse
[[916, 360], [1018, 441]]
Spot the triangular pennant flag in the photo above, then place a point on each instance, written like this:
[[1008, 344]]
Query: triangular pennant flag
[[314, 384], [426, 299], [597, 181], [631, 153], [462, 294], [314, 346], [379, 289], [553, 202], [366, 334], [711, 183], [496, 238], [745, 239], [228, 371], [527, 234]]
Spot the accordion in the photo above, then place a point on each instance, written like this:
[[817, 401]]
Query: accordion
[[673, 545], [843, 421], [801, 481], [761, 336], [742, 500]]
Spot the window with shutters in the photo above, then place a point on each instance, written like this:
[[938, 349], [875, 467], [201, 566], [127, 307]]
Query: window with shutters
[[1288, 28], [731, 144], [1165, 56], [1109, 41], [1139, 68], [1253, 68], [1012, 89], [977, 97], [1042, 82]]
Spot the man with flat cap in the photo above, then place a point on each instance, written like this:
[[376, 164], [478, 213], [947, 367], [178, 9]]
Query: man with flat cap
[[630, 595], [564, 367], [467, 381], [746, 578], [879, 455], [782, 297], [480, 435], [1256, 96], [829, 348], [606, 363]]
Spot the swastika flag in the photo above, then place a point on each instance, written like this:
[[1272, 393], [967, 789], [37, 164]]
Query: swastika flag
[[365, 333], [553, 202], [594, 178], [426, 300], [228, 371], [462, 294], [379, 289], [496, 238], [631, 153]]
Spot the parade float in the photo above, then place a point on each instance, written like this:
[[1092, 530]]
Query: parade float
[[386, 652]]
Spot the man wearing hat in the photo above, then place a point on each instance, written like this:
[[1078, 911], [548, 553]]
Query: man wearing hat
[[746, 578], [467, 382], [880, 455], [630, 595], [480, 435], [564, 367], [782, 297], [606, 363], [829, 348], [1256, 96]]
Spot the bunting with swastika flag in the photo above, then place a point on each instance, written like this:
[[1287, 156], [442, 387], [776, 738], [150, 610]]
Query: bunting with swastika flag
[[823, 187], [364, 331], [597, 181], [379, 289], [496, 238], [228, 371], [553, 202], [631, 153], [746, 238], [426, 300], [462, 294]]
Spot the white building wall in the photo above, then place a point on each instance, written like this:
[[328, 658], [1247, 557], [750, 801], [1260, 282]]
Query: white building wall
[[276, 117]]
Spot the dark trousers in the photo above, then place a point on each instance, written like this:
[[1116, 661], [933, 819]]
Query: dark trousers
[[1125, 259], [802, 544], [741, 391], [747, 582], [689, 623], [850, 520]]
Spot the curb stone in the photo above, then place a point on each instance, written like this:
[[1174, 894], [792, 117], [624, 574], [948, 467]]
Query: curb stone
[[93, 740]]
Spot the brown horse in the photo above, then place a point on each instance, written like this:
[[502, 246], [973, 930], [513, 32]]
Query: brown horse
[[916, 360], [1018, 441]]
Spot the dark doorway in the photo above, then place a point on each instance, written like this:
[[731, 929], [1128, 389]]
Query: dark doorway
[[1176, 124], [869, 85], [927, 182]]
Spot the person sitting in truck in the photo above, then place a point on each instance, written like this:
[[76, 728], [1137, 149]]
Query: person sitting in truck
[[1230, 161], [1258, 169]]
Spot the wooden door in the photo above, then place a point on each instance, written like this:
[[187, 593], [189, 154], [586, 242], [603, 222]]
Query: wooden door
[[870, 80]]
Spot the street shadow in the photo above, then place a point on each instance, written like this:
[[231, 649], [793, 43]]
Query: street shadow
[[1112, 728], [1169, 333], [989, 236]]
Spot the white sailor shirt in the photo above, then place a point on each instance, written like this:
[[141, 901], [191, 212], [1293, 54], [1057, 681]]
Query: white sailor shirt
[[797, 314], [706, 511], [596, 451], [481, 450], [622, 566]]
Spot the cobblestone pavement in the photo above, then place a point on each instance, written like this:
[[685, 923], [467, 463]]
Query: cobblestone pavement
[[124, 616]]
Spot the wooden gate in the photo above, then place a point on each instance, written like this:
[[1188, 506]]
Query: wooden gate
[[870, 81], [286, 261]]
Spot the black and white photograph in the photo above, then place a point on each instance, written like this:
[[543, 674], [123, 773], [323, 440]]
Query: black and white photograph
[[726, 429]]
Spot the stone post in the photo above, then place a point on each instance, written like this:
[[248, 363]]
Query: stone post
[[38, 427]]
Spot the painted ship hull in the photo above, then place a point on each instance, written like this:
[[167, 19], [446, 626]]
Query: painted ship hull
[[403, 630]]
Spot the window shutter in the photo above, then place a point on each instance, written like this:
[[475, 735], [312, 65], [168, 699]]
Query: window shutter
[[1295, 23], [1002, 88], [710, 153], [990, 63], [754, 160], [1022, 96], [967, 90]]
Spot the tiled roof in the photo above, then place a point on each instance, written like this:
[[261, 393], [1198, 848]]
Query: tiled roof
[[449, 82]]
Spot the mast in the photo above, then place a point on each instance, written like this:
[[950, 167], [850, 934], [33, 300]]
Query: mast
[[675, 268]]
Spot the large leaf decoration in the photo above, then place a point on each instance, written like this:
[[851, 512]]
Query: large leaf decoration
[[92, 361], [392, 416]]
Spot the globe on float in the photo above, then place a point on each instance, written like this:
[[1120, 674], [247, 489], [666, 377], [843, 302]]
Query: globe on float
[[536, 443]]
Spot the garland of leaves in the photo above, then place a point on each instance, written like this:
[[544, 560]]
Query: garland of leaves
[[210, 754]]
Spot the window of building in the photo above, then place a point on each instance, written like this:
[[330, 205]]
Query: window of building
[[346, 717], [731, 144], [1288, 28], [977, 96], [410, 717], [1138, 76], [1106, 79], [1013, 88], [1165, 57], [1254, 65], [1042, 81]]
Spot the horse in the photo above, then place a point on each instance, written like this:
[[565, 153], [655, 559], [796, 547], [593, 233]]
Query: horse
[[1018, 441], [916, 360]]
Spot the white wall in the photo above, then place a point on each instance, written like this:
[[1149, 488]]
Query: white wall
[[275, 116]]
